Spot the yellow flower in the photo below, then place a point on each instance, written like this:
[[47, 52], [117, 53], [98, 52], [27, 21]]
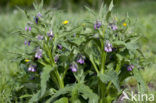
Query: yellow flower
[[65, 22], [124, 24], [83, 24], [27, 60]]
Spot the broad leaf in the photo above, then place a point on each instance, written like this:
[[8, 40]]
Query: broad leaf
[[60, 92], [87, 93], [112, 76], [62, 100]]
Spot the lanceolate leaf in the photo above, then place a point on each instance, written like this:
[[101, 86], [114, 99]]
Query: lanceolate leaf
[[90, 11], [109, 10], [140, 80], [62, 100], [60, 92], [112, 76], [45, 77], [87, 93], [35, 97], [111, 6]]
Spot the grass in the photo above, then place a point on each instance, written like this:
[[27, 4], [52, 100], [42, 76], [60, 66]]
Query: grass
[[143, 13], [8, 71]]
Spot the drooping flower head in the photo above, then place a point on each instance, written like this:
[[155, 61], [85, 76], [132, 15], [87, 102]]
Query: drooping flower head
[[39, 37], [81, 60], [28, 28], [97, 25], [130, 67], [38, 53], [39, 14], [59, 46], [36, 20], [108, 47], [74, 67], [114, 27], [56, 58], [32, 68], [27, 42], [50, 34]]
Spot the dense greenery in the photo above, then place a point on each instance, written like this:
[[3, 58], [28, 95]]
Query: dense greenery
[[15, 80], [64, 4]]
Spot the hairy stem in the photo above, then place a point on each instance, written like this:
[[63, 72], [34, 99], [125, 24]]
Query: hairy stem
[[58, 76]]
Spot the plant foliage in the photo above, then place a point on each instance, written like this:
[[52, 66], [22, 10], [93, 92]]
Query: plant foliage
[[85, 62]]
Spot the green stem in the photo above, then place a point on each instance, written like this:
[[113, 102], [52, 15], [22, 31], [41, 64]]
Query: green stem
[[102, 67], [103, 62], [64, 74], [103, 57], [102, 70], [94, 65], [58, 76], [60, 79], [102, 90]]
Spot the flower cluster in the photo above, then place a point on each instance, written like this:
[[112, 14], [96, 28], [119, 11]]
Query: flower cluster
[[50, 34], [74, 67], [97, 25], [108, 47], [27, 42], [130, 67], [27, 28], [38, 53], [32, 68]]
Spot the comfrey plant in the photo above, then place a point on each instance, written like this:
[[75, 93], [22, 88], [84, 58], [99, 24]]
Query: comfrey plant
[[87, 67]]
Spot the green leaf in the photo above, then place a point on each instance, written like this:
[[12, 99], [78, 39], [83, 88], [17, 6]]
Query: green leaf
[[119, 43], [112, 76], [131, 46], [102, 11], [91, 11], [45, 77], [74, 95], [140, 80], [35, 5], [41, 5], [25, 96], [87, 93], [108, 16], [35, 97], [111, 6], [62, 100], [60, 92], [109, 11]]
